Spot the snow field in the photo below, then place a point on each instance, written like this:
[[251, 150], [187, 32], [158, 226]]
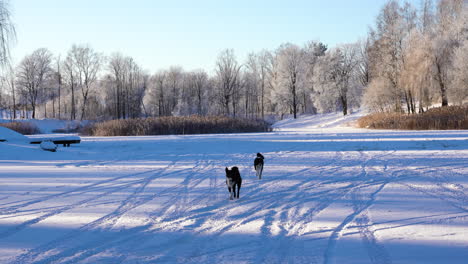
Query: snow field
[[328, 195]]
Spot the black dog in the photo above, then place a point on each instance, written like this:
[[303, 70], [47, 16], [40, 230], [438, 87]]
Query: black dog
[[233, 179], [258, 165]]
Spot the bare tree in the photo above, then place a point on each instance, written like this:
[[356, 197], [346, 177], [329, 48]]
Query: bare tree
[[10, 83], [59, 86], [363, 66], [116, 67], [87, 63], [337, 79], [313, 52], [291, 64], [451, 24], [227, 71], [200, 79], [7, 32], [426, 17], [459, 75], [174, 80], [257, 80], [31, 74], [71, 77]]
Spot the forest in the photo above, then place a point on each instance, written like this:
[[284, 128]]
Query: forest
[[413, 57]]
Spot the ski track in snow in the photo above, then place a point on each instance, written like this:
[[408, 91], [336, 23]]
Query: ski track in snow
[[283, 218]]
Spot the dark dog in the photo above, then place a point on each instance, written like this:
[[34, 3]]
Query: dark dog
[[258, 165], [233, 180]]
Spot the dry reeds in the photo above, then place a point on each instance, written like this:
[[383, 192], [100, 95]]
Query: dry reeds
[[25, 128], [442, 118], [175, 126]]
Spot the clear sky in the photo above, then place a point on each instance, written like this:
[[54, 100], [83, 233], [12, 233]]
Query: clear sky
[[189, 33]]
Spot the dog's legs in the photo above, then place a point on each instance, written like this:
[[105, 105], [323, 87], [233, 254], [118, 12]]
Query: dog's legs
[[238, 188], [234, 190], [231, 189], [260, 171]]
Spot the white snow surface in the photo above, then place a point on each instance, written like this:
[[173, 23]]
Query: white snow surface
[[330, 193], [12, 136]]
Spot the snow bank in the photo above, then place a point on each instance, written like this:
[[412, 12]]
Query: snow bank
[[9, 135], [319, 121]]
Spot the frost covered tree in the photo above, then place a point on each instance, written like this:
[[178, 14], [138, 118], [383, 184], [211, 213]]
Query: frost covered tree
[[126, 87], [227, 73], [363, 63], [7, 32], [194, 98], [413, 50], [9, 83], [175, 76], [256, 78], [336, 79], [451, 29], [291, 73], [459, 75], [87, 64], [31, 75], [71, 79], [313, 51], [155, 96]]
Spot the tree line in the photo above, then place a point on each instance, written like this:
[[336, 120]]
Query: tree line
[[412, 58], [417, 57]]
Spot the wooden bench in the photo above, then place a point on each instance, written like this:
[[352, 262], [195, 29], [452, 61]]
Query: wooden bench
[[65, 141]]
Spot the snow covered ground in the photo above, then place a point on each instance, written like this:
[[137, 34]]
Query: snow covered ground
[[329, 194]]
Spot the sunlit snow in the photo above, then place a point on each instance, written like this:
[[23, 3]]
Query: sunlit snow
[[330, 193]]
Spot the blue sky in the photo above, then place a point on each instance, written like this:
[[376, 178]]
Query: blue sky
[[183, 32]]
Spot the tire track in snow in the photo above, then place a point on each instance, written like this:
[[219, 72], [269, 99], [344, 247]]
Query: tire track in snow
[[201, 214], [74, 192], [132, 201], [61, 209], [171, 213], [337, 232], [77, 254], [376, 252], [325, 199], [200, 217], [443, 189], [269, 206], [14, 206]]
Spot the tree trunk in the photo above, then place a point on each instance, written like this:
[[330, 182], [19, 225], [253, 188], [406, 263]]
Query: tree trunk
[[199, 107], [443, 89], [72, 116], [14, 99], [294, 103], [263, 96], [344, 103]]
